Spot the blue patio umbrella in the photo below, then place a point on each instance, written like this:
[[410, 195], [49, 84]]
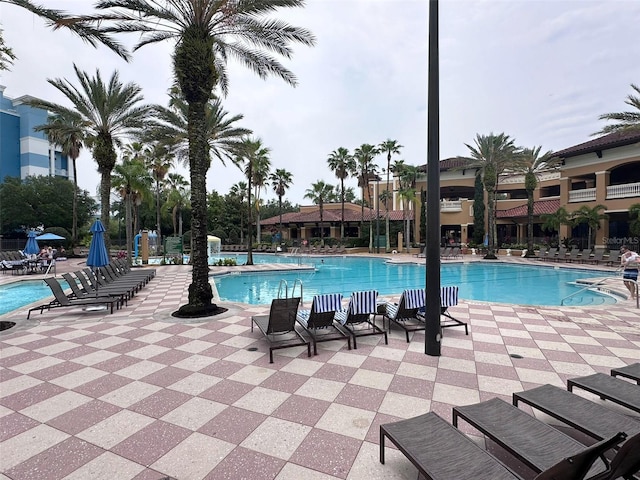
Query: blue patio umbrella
[[98, 256], [31, 248]]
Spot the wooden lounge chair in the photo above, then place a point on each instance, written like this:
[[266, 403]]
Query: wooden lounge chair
[[538, 445], [279, 327], [61, 300], [405, 312], [631, 372], [609, 388], [580, 413], [356, 318], [441, 452], [318, 322]]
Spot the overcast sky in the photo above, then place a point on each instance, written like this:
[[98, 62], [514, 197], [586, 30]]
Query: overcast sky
[[541, 71]]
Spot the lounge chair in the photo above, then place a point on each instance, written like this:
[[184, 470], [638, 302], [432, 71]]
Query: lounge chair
[[89, 285], [549, 254], [455, 253], [446, 253], [538, 445], [598, 256], [318, 321], [441, 452], [449, 298], [580, 413], [631, 372], [614, 258], [573, 255], [405, 312], [78, 293], [561, 255], [609, 388], [358, 315], [61, 300], [279, 327]]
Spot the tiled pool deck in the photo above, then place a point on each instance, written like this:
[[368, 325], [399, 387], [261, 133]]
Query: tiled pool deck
[[138, 395]]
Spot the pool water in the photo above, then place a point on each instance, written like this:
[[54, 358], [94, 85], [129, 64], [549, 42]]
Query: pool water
[[18, 294], [491, 282]]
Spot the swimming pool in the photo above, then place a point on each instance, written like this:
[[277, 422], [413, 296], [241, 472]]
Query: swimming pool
[[18, 294], [491, 282]]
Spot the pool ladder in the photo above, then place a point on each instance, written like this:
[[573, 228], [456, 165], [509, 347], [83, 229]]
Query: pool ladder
[[595, 285], [284, 287]]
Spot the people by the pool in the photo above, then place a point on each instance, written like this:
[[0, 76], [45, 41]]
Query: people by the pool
[[631, 262]]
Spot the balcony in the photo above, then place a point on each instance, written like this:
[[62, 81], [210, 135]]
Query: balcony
[[584, 195], [450, 206], [623, 191]]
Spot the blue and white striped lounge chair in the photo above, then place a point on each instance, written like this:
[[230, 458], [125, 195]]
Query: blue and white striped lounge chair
[[449, 298], [318, 322], [358, 315], [405, 312]]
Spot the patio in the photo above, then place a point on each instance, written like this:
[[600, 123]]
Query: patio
[[83, 395]]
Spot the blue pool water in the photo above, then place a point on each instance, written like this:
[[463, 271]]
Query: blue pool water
[[491, 282], [19, 294]]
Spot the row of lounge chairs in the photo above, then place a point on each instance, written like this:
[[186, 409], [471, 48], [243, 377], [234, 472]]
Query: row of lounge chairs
[[328, 320], [595, 257], [440, 451], [112, 285]]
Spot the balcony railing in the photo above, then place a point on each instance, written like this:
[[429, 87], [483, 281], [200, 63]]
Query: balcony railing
[[623, 191], [450, 206], [584, 195]]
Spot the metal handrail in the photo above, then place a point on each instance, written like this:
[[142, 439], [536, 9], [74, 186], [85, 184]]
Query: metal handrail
[[297, 281], [286, 288], [590, 286]]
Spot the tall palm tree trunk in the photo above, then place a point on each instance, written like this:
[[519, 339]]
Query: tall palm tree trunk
[[128, 225], [200, 293], [386, 223], [530, 252], [74, 221], [342, 213], [158, 225], [249, 216]]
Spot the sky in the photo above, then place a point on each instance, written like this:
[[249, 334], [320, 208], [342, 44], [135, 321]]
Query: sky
[[541, 71]]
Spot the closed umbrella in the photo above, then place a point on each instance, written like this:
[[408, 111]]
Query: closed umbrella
[[98, 256], [31, 248]]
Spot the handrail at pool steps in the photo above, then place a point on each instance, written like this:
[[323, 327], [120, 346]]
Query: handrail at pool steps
[[592, 286]]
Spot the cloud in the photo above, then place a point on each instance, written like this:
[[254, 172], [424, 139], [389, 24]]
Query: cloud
[[540, 71]]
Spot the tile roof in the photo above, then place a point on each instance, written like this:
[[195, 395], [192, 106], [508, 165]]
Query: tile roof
[[539, 208], [332, 215], [448, 164], [612, 140]]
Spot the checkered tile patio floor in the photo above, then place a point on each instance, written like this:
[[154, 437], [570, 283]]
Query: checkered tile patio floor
[[137, 395]]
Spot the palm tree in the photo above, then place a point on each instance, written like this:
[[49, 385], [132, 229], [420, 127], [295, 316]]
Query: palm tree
[[177, 199], [67, 129], [260, 171], [59, 19], [366, 170], [250, 153], [634, 219], [130, 178], [627, 121], [206, 34], [590, 216], [532, 164], [407, 175], [159, 161], [492, 154], [239, 190], [319, 193], [389, 147], [109, 111], [551, 222], [280, 181], [344, 166]]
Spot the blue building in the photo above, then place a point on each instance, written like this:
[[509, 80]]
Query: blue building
[[23, 151]]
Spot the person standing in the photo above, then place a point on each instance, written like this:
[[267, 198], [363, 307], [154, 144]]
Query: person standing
[[630, 261]]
